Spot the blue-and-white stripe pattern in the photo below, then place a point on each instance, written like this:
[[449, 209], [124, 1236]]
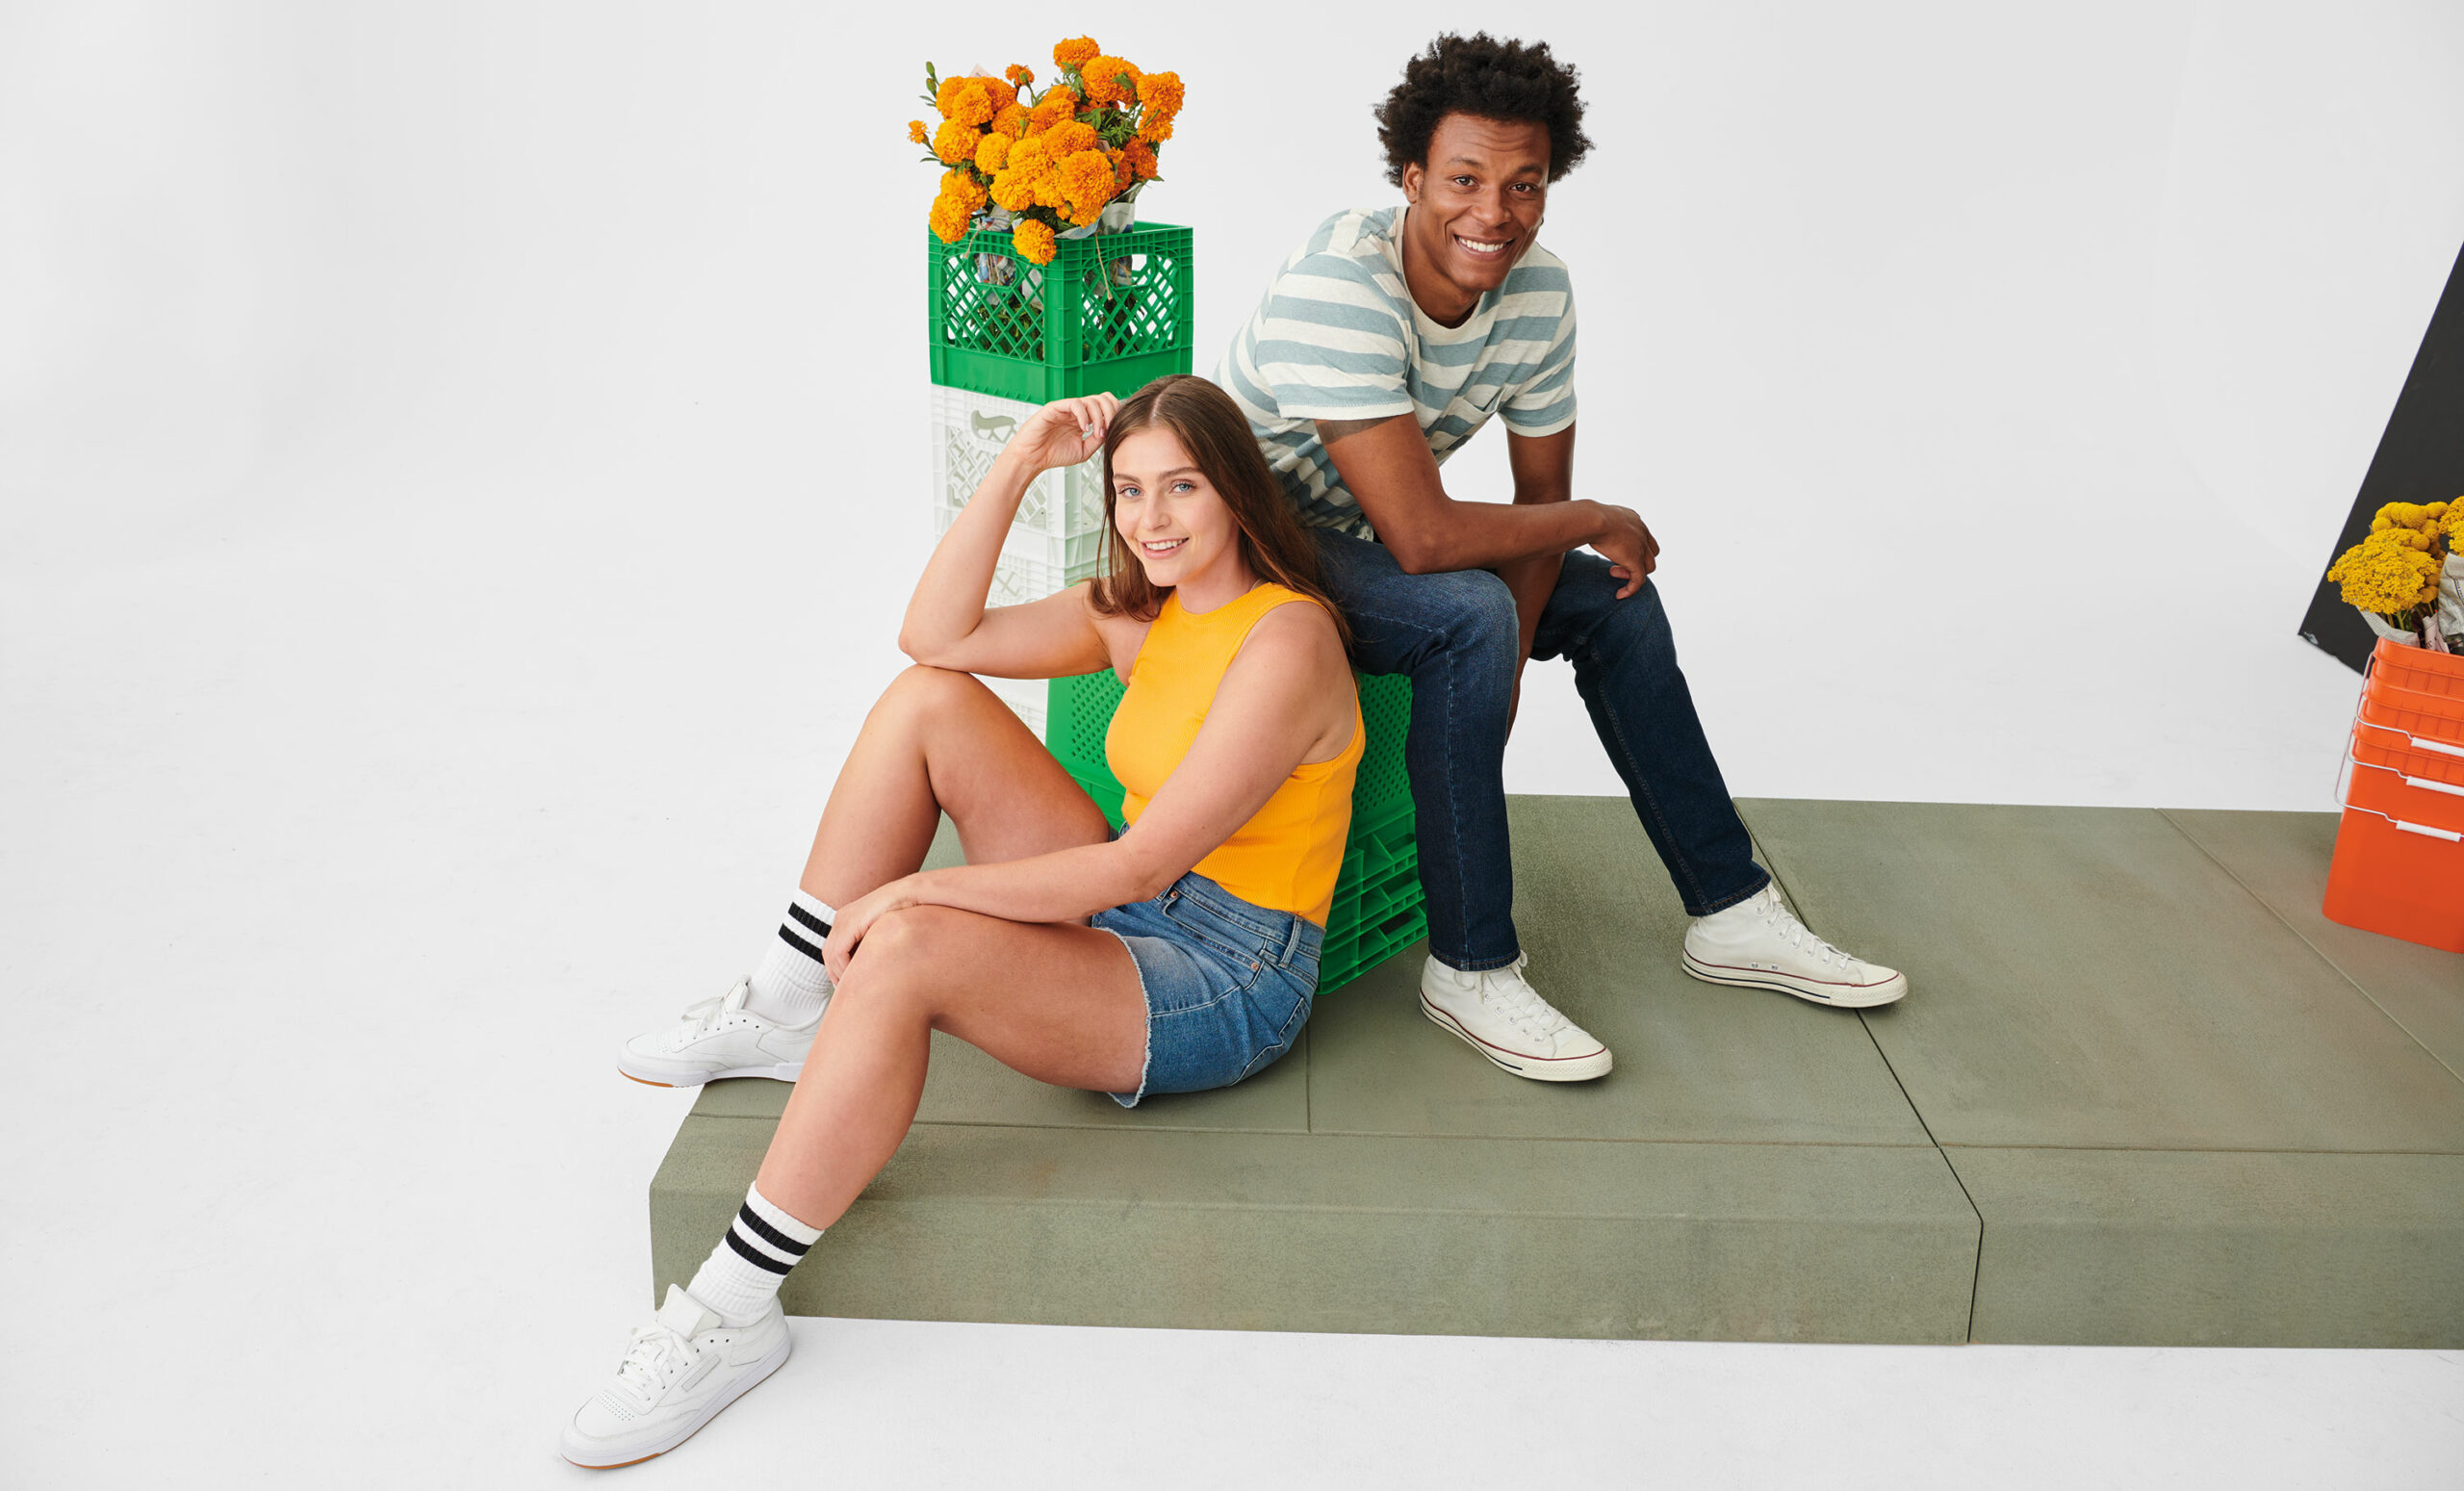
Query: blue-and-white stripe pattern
[[1337, 337]]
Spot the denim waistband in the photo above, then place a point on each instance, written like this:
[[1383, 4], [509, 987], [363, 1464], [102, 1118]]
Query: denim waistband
[[1282, 937]]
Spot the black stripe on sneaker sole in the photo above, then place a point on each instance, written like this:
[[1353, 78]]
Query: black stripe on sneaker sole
[[754, 1255], [769, 1234]]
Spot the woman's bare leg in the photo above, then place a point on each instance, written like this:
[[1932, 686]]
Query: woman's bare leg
[[1059, 1003], [1062, 1004], [940, 741]]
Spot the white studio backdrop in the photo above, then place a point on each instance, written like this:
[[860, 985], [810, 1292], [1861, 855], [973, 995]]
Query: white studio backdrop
[[1995, 377], [461, 466]]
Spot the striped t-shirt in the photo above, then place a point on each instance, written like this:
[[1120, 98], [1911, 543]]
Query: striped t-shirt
[[1337, 337]]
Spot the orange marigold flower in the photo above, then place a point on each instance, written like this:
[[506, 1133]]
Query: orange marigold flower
[[1033, 241], [1030, 155], [949, 219], [963, 184], [946, 95], [1002, 94], [1013, 190], [971, 103], [1155, 128], [915, 132], [1011, 121], [1086, 184], [1122, 176], [1020, 74], [1057, 106], [1140, 157], [1067, 55], [1110, 80], [1068, 138], [955, 142], [993, 153], [1160, 90]]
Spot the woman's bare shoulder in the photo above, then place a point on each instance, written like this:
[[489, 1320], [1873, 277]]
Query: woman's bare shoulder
[[1302, 640], [1123, 634]]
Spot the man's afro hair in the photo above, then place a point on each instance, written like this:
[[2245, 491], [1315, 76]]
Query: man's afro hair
[[1495, 80]]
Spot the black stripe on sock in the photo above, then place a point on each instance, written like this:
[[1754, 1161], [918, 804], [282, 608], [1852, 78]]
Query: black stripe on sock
[[787, 935], [769, 1234], [816, 924], [753, 1255]]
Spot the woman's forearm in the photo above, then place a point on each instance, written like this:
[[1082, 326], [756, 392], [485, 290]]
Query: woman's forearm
[[949, 597], [1062, 886]]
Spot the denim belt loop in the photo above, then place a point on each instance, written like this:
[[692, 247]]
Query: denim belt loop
[[1290, 953]]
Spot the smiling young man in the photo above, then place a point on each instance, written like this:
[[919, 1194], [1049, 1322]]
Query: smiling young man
[[1386, 340]]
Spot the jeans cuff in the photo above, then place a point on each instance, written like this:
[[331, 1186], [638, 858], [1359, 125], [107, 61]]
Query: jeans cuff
[[1762, 878], [1476, 965]]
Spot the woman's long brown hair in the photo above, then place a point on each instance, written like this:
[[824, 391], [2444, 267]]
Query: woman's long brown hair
[[1214, 433]]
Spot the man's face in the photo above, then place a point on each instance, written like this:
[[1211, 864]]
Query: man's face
[[1476, 201]]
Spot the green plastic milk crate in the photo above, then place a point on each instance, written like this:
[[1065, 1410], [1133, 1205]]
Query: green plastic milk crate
[[1110, 314], [1379, 909]]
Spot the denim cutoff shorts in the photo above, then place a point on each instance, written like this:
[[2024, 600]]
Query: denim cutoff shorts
[[1228, 985]]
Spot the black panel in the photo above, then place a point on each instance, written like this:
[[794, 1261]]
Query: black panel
[[2419, 459]]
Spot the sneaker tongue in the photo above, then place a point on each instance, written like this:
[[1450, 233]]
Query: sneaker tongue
[[686, 1315]]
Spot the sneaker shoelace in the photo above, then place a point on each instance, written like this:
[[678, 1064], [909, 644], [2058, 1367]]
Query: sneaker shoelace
[[1505, 991], [700, 1019], [655, 1357], [1797, 934]]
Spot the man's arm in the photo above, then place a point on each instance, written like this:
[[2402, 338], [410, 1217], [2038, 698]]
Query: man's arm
[[1386, 466], [1544, 470]]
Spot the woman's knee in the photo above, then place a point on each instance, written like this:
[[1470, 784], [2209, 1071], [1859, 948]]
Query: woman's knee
[[921, 682], [923, 692], [894, 965]]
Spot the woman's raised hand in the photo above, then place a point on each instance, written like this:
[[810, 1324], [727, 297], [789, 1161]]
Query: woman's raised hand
[[1065, 431]]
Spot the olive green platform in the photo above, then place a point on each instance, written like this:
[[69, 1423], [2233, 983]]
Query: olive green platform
[[2141, 1094]]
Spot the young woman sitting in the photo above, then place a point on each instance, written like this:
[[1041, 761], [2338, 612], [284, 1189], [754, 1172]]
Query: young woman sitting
[[1180, 956]]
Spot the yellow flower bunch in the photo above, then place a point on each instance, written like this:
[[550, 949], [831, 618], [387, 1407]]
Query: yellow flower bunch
[[1052, 159], [2394, 571]]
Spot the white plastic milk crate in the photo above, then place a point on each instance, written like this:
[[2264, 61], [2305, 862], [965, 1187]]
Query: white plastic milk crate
[[1061, 520], [1016, 580]]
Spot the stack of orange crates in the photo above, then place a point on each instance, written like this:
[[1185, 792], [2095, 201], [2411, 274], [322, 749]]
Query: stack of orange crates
[[2399, 852]]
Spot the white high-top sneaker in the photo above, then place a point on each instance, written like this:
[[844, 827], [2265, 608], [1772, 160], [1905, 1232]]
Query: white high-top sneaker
[[1758, 944], [1499, 1016], [718, 1038], [679, 1371]]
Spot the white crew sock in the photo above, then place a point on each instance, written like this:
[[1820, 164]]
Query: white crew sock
[[791, 987], [743, 1273]]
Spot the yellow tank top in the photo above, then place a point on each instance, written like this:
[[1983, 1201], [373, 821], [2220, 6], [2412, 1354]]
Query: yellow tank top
[[1287, 856]]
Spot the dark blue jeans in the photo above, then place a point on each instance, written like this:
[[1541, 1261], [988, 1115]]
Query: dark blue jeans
[[1454, 633]]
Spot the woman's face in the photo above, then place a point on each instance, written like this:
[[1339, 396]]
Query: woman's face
[[1170, 514]]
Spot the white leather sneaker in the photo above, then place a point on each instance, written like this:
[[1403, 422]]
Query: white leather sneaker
[[1498, 1013], [1758, 944], [719, 1037], [677, 1372]]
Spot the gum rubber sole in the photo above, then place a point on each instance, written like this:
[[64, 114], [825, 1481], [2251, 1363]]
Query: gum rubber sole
[[760, 1374], [784, 1071], [1845, 996], [1538, 1069]]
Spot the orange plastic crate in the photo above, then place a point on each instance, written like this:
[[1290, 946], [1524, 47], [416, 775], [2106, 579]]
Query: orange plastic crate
[[2398, 884], [2440, 674], [2413, 711], [2419, 756]]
